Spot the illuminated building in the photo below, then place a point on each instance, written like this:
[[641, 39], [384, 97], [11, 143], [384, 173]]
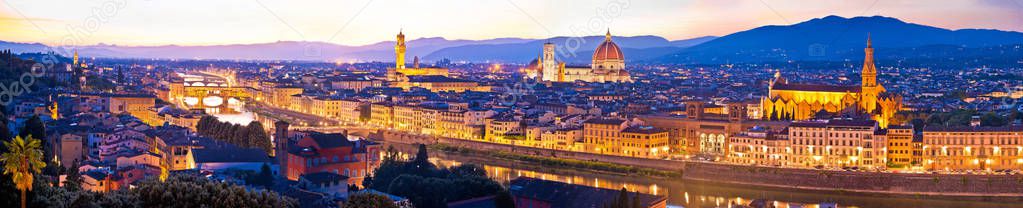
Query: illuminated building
[[353, 83], [973, 148], [400, 72], [608, 65], [438, 83], [837, 143], [760, 146], [900, 146], [433, 79], [644, 141], [351, 110], [455, 124], [281, 96], [381, 115], [615, 137], [71, 150], [802, 101], [317, 152], [570, 139], [705, 128], [138, 105], [504, 129]]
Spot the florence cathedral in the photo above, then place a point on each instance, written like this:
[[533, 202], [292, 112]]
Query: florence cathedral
[[803, 101], [608, 65]]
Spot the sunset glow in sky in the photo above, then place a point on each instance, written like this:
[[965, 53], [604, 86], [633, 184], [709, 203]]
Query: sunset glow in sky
[[359, 22]]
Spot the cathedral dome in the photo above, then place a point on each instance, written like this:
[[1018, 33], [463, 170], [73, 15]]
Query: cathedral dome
[[534, 64], [607, 50]]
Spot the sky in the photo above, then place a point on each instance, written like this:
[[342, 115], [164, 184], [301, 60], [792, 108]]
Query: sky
[[360, 22]]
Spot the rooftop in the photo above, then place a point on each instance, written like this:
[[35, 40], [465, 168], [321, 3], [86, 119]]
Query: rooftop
[[565, 195], [229, 154]]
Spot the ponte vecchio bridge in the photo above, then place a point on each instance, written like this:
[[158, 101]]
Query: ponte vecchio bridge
[[201, 91]]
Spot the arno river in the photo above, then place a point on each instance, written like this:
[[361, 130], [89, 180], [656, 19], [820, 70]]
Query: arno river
[[680, 193], [691, 194]]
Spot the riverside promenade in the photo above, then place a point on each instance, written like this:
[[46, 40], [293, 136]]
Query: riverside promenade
[[976, 187]]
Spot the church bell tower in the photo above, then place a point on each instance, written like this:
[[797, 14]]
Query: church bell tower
[[549, 64], [870, 88]]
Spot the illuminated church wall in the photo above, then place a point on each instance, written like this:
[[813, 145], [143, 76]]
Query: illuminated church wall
[[802, 101]]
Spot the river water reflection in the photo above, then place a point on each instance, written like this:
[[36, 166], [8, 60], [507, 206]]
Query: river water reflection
[[694, 194], [679, 193]]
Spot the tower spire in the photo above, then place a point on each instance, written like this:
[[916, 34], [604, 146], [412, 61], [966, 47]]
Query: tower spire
[[869, 72], [868, 41], [607, 37]]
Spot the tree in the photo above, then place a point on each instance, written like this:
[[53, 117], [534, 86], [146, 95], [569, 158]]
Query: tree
[[120, 75], [266, 176], [252, 135], [622, 200], [5, 133], [240, 136], [421, 164], [427, 186], [258, 137], [993, 119], [74, 179], [35, 128], [194, 191], [23, 160], [504, 199], [369, 200]]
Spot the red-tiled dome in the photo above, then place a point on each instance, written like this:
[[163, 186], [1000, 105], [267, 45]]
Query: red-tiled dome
[[607, 50], [535, 64]]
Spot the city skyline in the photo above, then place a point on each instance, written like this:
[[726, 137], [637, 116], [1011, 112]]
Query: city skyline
[[610, 103], [368, 22]]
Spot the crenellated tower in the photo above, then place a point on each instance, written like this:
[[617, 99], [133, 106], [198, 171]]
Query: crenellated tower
[[399, 50]]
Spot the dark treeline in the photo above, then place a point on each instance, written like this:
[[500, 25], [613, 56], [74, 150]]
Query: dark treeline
[[250, 136], [177, 191], [426, 185]]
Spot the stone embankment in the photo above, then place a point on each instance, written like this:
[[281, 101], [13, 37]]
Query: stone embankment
[[1006, 187]]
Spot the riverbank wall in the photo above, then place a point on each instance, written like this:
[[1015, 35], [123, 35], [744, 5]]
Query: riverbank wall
[[993, 187]]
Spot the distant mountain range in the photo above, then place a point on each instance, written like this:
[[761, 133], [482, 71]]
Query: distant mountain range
[[837, 38], [429, 49], [573, 50], [830, 38]]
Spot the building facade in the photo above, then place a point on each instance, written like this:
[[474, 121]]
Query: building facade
[[973, 148], [837, 144]]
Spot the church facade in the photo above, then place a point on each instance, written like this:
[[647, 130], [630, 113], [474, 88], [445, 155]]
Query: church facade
[[608, 65], [797, 101]]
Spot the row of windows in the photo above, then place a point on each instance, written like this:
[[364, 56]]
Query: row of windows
[[323, 160], [974, 141]]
